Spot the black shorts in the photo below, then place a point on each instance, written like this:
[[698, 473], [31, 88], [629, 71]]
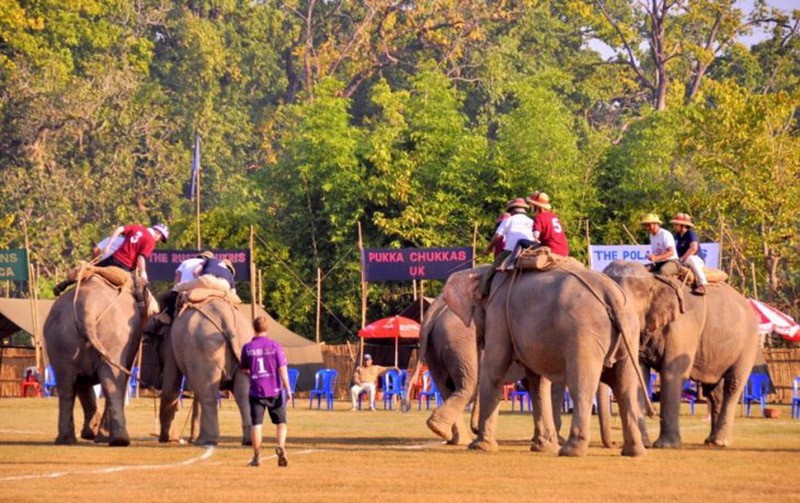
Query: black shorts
[[274, 405]]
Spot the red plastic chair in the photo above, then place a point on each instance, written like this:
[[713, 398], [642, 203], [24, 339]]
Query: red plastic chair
[[31, 383]]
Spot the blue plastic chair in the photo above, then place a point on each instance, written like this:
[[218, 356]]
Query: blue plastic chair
[[133, 382], [796, 397], [324, 386], [403, 379], [651, 385], [523, 396], [294, 375], [756, 390], [392, 387], [49, 381], [429, 390], [690, 391]]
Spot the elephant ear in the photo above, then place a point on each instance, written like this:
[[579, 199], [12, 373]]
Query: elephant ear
[[664, 307], [461, 293]]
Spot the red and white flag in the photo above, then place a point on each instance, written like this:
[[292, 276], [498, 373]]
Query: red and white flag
[[770, 319]]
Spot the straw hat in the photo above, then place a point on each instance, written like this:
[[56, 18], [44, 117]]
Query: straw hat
[[517, 203], [682, 219], [539, 199], [205, 254], [227, 263], [651, 218]]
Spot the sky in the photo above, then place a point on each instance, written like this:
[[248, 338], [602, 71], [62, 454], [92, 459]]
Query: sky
[[747, 5]]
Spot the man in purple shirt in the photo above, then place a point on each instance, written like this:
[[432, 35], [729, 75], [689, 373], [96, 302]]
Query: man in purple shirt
[[264, 360]]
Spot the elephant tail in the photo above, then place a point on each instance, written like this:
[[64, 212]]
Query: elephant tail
[[87, 322]]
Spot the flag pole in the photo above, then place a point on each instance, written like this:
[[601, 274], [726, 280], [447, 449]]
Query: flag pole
[[196, 169], [319, 302], [31, 296]]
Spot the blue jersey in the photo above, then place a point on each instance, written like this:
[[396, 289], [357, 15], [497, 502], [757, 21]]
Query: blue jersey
[[682, 243]]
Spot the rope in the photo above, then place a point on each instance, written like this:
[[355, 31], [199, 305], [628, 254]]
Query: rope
[[225, 335]]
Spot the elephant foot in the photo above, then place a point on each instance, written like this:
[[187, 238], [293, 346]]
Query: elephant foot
[[667, 443], [87, 433], [480, 444], [633, 451], [561, 440], [204, 443], [717, 443], [574, 449], [544, 446], [66, 440], [120, 441], [102, 439], [459, 436], [441, 428]]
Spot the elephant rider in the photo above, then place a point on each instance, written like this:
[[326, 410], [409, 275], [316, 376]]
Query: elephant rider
[[365, 378], [97, 251], [137, 246], [662, 254], [222, 269], [687, 245], [516, 231], [546, 227], [183, 274], [500, 244], [264, 361]]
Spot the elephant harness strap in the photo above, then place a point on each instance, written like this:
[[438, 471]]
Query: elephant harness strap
[[186, 303], [678, 288]]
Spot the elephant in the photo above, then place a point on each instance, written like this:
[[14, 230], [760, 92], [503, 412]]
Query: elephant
[[92, 336], [449, 348], [712, 339], [204, 344], [565, 326]]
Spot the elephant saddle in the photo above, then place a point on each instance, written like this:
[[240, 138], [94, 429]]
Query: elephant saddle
[[114, 276], [539, 259], [712, 275]]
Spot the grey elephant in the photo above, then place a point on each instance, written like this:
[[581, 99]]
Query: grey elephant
[[204, 344], [712, 339], [92, 335], [567, 326], [449, 348]]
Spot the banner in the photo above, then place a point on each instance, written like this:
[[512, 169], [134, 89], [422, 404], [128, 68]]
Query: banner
[[602, 255], [414, 263], [13, 265], [162, 263]]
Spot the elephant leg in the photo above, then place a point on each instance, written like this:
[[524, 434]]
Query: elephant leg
[[205, 381], [493, 367], [447, 421], [557, 393], [88, 401], [170, 391], [604, 414], [582, 381], [671, 387], [66, 405], [626, 390], [115, 386], [194, 419], [545, 433], [714, 394], [732, 388], [241, 391], [643, 395]]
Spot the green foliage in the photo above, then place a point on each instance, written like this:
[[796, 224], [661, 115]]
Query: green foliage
[[416, 122]]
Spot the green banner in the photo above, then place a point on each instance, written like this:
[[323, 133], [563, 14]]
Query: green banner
[[13, 265]]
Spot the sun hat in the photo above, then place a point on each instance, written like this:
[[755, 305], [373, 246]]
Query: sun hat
[[651, 218], [162, 229], [517, 203], [227, 263], [539, 199], [682, 219], [205, 254], [367, 356]]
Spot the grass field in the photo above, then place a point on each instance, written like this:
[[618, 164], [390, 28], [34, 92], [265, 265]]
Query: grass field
[[385, 456]]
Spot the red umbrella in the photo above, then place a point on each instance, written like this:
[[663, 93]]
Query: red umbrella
[[395, 327], [770, 319]]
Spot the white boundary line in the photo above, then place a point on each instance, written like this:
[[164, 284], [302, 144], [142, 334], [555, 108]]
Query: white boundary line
[[209, 451]]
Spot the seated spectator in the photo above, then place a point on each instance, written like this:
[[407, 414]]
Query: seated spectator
[[365, 378]]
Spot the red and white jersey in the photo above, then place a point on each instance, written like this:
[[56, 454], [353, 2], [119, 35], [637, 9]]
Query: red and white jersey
[[551, 234], [138, 241]]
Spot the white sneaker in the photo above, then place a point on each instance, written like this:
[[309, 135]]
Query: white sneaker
[[353, 409]]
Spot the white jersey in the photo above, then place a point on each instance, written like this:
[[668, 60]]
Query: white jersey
[[661, 242], [116, 244], [187, 267], [516, 227]]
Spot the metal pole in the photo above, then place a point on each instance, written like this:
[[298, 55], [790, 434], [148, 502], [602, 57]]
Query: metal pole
[[260, 288], [474, 243], [588, 244], [319, 302], [31, 288], [197, 194], [414, 286], [363, 293], [753, 272]]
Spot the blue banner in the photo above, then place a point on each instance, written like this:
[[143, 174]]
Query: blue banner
[[162, 264], [381, 264]]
